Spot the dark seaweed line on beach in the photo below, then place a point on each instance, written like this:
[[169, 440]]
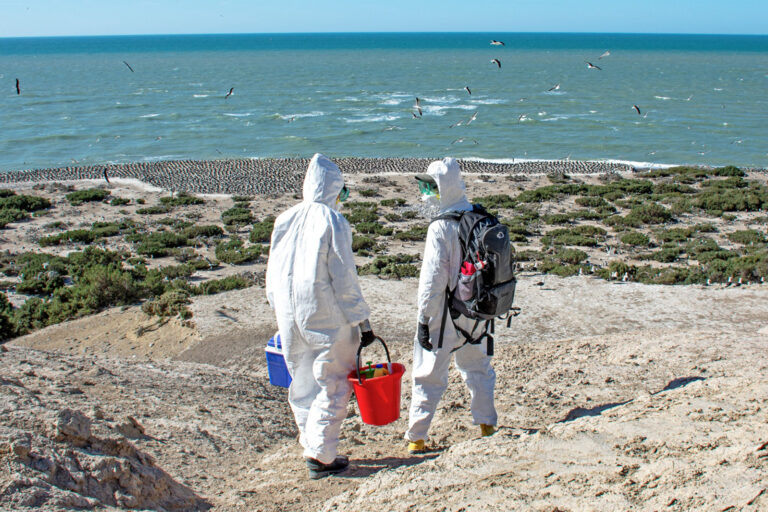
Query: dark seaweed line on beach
[[281, 175]]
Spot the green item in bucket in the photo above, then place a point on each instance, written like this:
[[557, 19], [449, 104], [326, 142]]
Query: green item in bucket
[[368, 372]]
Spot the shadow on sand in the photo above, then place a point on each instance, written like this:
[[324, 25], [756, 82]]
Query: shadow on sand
[[361, 468]]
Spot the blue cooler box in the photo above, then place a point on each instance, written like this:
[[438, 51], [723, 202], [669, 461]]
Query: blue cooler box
[[278, 371]]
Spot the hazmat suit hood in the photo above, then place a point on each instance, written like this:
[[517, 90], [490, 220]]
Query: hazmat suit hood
[[323, 181], [447, 174]]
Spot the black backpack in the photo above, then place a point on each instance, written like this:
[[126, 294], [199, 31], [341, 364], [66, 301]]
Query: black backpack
[[486, 285]]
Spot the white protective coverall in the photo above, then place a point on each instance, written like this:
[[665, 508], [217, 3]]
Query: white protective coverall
[[440, 269], [313, 288]]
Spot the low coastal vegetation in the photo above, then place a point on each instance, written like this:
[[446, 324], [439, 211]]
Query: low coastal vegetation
[[681, 225]]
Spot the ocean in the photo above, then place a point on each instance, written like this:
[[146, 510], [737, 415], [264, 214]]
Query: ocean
[[90, 100]]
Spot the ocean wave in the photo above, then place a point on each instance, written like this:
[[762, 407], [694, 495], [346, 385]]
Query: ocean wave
[[557, 118], [288, 117], [490, 101], [372, 119], [200, 95], [233, 114], [391, 101]]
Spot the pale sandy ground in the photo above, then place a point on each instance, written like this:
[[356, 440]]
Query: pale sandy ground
[[586, 422], [611, 396]]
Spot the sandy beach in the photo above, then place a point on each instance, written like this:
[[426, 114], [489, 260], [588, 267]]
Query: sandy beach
[[612, 394]]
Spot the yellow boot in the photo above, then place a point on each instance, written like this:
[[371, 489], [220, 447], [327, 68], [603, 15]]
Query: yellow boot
[[415, 447], [487, 430]]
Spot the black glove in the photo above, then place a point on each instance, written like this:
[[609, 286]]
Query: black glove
[[366, 338], [422, 334]]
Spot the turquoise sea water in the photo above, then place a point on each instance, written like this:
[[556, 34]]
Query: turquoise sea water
[[702, 98]]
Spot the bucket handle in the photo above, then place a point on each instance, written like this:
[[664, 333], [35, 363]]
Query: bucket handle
[[360, 349]]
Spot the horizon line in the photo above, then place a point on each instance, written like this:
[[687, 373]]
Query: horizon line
[[383, 33]]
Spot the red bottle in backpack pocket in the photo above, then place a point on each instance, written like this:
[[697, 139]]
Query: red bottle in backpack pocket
[[466, 285]]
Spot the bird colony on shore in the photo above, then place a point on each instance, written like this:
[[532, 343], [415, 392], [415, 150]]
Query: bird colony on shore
[[281, 175]]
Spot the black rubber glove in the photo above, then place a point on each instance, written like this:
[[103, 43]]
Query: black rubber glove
[[422, 334], [366, 338]]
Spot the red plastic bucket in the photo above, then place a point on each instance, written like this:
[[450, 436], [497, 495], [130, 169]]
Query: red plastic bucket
[[378, 398]]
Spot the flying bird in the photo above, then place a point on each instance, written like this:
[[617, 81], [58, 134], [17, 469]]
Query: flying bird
[[474, 116], [497, 62], [417, 106], [554, 88], [414, 115], [18, 89], [462, 139], [592, 66], [496, 43], [606, 53], [129, 66], [105, 176], [231, 89], [466, 88], [637, 109]]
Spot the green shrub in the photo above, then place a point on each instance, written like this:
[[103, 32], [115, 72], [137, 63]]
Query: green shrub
[[368, 192], [392, 202], [177, 271], [8, 328], [9, 215], [226, 284], [410, 214], [5, 192], [237, 216], [651, 213], [181, 199], [370, 228], [242, 199], [79, 197], [393, 217], [158, 244], [592, 202], [119, 201], [361, 212], [571, 256], [202, 231], [171, 303], [362, 243], [635, 238], [557, 218], [747, 237], [262, 231], [415, 234], [550, 266], [154, 210], [496, 201], [234, 253], [729, 170], [396, 266]]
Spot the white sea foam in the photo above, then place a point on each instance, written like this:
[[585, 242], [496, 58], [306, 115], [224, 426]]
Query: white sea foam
[[391, 101], [490, 101], [149, 116], [232, 114], [372, 119], [665, 98], [287, 117], [199, 95]]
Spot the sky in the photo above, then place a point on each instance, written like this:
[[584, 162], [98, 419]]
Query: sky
[[118, 17]]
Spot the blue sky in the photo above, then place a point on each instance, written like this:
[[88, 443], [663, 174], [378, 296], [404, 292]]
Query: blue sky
[[109, 17]]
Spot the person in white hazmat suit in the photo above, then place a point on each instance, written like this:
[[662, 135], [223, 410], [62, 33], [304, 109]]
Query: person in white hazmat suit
[[444, 188], [321, 314]]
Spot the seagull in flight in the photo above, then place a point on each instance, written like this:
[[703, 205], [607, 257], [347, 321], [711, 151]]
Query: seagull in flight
[[466, 88], [474, 116], [231, 90], [496, 43], [18, 89], [497, 62], [417, 106], [592, 66], [606, 53], [637, 109], [462, 139], [554, 88], [129, 66]]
